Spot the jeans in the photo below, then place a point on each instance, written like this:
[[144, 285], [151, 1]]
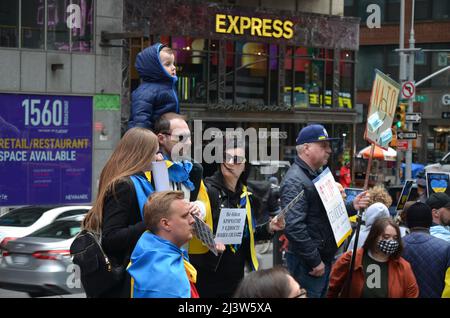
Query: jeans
[[316, 287]]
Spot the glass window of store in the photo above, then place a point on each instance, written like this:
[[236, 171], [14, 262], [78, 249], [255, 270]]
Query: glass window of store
[[191, 59], [346, 71], [33, 24], [251, 60], [369, 59], [439, 60], [441, 10], [58, 35], [251, 73], [9, 23], [66, 24]]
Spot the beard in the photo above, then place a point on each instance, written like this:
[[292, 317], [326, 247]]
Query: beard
[[444, 222]]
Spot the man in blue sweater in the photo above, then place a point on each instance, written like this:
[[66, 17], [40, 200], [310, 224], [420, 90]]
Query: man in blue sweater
[[429, 256]]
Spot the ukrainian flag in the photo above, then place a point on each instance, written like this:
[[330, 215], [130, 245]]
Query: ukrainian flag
[[157, 269]]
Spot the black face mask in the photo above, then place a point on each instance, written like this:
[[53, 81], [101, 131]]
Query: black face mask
[[388, 247]]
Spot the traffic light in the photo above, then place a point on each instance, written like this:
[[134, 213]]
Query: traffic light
[[400, 117]]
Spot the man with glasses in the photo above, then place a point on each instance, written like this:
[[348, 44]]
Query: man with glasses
[[311, 241], [174, 138]]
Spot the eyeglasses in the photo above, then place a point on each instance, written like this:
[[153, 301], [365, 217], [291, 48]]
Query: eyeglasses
[[179, 138], [302, 294], [234, 159]]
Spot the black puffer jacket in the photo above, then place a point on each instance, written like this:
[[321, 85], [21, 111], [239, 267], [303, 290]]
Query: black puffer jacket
[[307, 227]]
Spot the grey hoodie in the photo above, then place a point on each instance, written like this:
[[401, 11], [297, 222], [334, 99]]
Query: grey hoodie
[[373, 212]]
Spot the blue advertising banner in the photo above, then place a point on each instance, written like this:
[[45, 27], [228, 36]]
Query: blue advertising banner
[[45, 149]]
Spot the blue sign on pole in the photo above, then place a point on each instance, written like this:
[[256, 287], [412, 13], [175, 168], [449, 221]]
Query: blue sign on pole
[[45, 149]]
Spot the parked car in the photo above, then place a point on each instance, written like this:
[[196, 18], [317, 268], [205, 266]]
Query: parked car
[[442, 166], [26, 220], [40, 264]]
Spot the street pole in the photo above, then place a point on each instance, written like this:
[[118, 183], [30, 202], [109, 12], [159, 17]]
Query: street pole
[[408, 158], [402, 76]]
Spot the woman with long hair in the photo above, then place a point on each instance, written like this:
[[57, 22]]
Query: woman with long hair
[[379, 271], [219, 276], [123, 189]]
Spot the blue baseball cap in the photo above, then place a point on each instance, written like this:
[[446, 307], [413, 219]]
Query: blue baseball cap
[[313, 133]]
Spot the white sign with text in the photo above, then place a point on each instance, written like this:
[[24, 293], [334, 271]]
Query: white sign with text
[[334, 205], [231, 226]]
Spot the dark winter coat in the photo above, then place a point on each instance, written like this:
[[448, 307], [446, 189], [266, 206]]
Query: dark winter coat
[[219, 276], [307, 226]]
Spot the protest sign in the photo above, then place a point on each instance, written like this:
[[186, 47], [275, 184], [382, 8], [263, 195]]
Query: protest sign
[[334, 205]]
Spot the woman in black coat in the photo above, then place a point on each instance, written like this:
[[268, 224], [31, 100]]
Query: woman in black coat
[[219, 276], [116, 212]]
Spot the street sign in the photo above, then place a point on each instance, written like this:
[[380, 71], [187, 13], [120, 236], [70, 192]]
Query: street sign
[[402, 145], [407, 134], [421, 98], [413, 117], [408, 90], [446, 115]]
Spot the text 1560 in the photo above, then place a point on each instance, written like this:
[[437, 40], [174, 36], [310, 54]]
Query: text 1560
[[48, 113]]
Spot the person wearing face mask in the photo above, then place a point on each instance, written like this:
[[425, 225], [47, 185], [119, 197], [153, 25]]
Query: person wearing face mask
[[219, 276], [380, 271]]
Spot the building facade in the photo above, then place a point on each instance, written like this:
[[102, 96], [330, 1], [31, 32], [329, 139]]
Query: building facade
[[259, 64], [51, 54], [432, 35]]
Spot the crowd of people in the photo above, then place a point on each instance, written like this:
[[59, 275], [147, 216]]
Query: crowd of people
[[150, 233]]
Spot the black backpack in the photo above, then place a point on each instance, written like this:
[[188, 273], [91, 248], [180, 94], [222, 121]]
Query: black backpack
[[98, 274]]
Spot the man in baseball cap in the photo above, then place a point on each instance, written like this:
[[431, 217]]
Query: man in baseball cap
[[440, 210], [314, 144], [307, 222]]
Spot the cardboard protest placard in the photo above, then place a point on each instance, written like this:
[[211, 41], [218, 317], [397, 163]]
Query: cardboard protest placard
[[231, 226], [334, 205], [383, 103]]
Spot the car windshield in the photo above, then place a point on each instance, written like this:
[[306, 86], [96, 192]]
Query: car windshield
[[59, 229], [22, 217]]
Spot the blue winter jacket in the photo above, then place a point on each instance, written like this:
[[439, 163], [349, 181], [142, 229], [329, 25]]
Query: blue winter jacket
[[430, 261], [157, 93]]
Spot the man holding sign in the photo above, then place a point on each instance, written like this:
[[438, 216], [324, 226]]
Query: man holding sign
[[312, 243]]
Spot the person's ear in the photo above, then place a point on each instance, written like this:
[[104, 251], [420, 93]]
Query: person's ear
[[165, 224], [161, 138]]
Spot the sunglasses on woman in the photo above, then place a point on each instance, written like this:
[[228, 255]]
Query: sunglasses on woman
[[234, 159]]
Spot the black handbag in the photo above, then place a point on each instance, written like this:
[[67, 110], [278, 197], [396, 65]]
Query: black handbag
[[98, 274]]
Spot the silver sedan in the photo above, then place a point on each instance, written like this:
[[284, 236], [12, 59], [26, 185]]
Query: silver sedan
[[40, 263]]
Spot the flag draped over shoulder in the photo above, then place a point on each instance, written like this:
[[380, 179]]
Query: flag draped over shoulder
[[157, 269], [143, 189]]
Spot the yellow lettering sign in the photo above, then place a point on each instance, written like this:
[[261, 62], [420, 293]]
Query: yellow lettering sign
[[220, 23], [241, 25]]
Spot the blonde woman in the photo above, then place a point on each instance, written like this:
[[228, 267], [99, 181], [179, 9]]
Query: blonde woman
[[122, 193]]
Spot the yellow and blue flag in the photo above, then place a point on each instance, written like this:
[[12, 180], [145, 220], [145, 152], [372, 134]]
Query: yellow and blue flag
[[157, 269]]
